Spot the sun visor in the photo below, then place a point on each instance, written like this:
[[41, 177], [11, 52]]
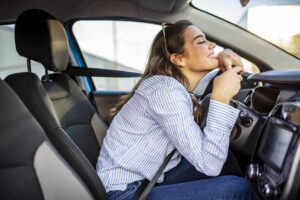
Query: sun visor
[[163, 6]]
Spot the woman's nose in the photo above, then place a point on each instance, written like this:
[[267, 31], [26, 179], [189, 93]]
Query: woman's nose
[[212, 45]]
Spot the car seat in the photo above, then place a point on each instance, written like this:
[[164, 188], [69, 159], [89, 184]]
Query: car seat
[[31, 167], [37, 39]]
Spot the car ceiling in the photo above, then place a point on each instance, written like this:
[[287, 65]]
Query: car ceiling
[[66, 10], [231, 36]]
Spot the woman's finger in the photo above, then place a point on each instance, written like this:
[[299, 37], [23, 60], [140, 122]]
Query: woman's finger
[[227, 63], [240, 77], [238, 69], [236, 60]]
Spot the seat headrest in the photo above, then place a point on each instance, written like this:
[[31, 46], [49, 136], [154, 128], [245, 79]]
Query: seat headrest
[[41, 37]]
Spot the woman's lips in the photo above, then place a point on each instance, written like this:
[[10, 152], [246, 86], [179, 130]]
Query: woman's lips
[[212, 55]]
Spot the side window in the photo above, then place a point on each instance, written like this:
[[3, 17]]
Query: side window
[[117, 45], [10, 61], [250, 67], [120, 45]]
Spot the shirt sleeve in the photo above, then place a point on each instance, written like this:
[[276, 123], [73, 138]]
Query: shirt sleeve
[[171, 107]]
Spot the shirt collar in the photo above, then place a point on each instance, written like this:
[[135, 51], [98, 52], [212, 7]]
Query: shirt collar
[[203, 83]]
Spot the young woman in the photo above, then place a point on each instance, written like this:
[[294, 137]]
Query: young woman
[[159, 115]]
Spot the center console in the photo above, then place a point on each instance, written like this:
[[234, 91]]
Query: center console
[[267, 133], [277, 170], [275, 160]]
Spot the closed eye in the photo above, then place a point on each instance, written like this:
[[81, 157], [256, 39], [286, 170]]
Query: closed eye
[[201, 38]]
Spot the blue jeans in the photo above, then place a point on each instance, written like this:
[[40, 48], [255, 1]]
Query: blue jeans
[[185, 183]]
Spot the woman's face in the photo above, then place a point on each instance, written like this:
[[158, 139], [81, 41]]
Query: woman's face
[[199, 54]]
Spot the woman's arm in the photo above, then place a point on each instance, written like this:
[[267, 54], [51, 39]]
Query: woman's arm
[[171, 107]]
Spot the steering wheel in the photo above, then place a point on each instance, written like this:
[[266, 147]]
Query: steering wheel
[[246, 130], [244, 118], [247, 127]]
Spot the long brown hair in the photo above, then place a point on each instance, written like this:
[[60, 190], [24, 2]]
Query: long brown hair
[[160, 64]]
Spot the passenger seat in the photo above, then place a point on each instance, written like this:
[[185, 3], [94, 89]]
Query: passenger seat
[[30, 166], [41, 37], [33, 42]]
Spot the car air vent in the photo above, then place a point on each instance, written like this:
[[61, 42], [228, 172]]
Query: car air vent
[[264, 99]]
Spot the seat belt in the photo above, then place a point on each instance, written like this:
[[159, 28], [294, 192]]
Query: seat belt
[[146, 187], [84, 71]]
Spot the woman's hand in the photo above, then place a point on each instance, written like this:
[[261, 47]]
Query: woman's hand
[[227, 85], [227, 58]]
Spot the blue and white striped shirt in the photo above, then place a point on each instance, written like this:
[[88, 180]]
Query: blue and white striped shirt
[[157, 119], [202, 85]]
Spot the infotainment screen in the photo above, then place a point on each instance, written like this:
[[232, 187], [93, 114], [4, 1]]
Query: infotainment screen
[[275, 143]]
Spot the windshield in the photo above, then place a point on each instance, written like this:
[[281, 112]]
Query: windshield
[[274, 20]]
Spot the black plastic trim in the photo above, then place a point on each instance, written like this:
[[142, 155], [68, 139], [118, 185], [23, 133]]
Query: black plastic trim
[[290, 77]]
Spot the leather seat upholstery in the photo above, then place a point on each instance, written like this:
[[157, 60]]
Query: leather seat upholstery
[[61, 119], [30, 166]]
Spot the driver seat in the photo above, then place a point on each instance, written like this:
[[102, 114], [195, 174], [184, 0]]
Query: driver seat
[[31, 167]]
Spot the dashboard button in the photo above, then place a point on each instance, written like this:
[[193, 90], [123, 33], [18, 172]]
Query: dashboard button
[[253, 171], [268, 191]]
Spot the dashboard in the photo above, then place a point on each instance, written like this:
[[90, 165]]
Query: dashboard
[[267, 130]]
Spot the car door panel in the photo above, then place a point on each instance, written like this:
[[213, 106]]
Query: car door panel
[[106, 100]]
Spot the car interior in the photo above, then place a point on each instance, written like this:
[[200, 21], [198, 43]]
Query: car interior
[[53, 122]]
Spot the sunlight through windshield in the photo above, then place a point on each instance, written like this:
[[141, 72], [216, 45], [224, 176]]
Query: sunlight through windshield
[[274, 20]]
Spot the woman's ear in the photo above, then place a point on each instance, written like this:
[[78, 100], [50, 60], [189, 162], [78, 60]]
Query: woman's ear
[[177, 60]]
